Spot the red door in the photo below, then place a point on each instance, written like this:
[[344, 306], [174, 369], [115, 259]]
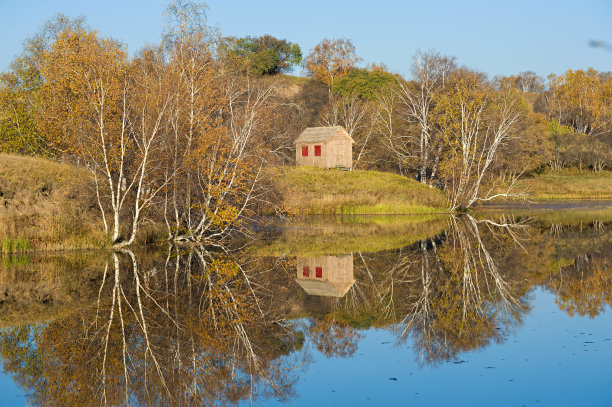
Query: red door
[[305, 151], [306, 271], [317, 151], [319, 272]]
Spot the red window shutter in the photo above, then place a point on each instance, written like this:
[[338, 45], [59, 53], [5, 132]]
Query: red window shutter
[[317, 151], [306, 271], [305, 151], [319, 272]]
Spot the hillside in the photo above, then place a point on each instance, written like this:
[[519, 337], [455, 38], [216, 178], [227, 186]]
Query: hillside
[[315, 191], [46, 205], [569, 184]]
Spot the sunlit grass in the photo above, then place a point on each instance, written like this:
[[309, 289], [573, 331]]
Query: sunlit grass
[[38, 174], [47, 206], [569, 184], [316, 191], [15, 245]]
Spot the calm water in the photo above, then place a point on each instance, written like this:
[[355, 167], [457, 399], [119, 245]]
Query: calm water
[[508, 307]]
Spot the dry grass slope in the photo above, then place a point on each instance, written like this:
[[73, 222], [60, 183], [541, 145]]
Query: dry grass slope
[[46, 205], [569, 184], [309, 190]]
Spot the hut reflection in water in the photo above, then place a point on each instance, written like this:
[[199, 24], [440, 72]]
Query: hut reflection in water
[[327, 276]]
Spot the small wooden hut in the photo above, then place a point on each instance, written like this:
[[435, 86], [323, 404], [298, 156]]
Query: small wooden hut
[[327, 276], [326, 147]]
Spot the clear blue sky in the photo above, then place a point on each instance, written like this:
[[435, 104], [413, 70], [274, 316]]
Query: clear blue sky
[[496, 37]]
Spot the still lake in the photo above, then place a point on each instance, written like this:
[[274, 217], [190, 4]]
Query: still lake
[[506, 306]]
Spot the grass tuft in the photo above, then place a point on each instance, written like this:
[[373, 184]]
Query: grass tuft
[[15, 245]]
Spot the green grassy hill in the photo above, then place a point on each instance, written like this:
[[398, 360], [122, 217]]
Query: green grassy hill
[[309, 190]]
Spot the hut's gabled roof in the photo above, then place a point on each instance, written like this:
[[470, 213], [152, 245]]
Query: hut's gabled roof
[[325, 288], [321, 134]]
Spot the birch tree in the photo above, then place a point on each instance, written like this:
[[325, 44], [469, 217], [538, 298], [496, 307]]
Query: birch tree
[[475, 123], [230, 166], [107, 113], [581, 99], [197, 100], [416, 100], [355, 116]]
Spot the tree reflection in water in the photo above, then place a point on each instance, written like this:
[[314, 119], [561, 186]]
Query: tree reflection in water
[[196, 327], [583, 285], [189, 330], [458, 296]]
